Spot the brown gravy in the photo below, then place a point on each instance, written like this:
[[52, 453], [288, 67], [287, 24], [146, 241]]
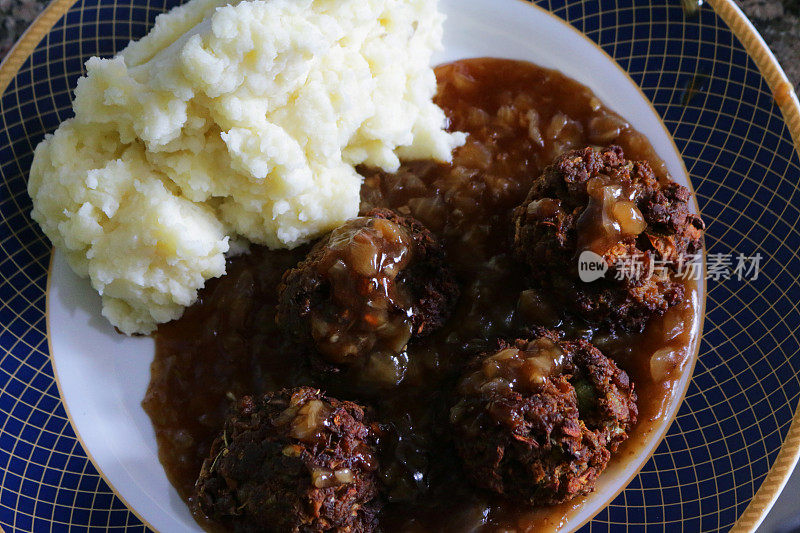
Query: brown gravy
[[519, 116]]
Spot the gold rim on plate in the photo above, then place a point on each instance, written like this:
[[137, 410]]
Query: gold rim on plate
[[783, 93]]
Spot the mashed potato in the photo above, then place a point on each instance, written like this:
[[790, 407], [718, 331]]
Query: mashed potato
[[231, 121]]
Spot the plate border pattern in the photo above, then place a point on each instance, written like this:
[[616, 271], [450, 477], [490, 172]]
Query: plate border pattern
[[786, 98]]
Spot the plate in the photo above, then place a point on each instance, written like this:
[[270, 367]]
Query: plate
[[732, 444], [103, 376]]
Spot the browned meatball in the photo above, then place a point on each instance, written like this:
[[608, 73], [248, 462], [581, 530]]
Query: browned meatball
[[537, 419], [294, 460], [599, 201], [369, 286]]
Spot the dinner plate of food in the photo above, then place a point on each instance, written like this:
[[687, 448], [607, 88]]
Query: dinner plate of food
[[397, 265]]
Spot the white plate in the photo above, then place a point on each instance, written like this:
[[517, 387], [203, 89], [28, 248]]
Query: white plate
[[103, 375]]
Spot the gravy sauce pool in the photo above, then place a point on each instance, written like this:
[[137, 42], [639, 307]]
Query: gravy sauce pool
[[519, 117]]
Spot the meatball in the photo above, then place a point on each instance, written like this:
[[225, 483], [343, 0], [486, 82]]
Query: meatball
[[537, 420], [369, 286], [590, 200], [294, 460]]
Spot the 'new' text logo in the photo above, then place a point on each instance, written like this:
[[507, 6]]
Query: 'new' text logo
[[591, 266]]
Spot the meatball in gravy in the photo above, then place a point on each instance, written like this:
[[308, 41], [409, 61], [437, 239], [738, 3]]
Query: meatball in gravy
[[293, 460], [537, 420], [370, 286], [598, 201]]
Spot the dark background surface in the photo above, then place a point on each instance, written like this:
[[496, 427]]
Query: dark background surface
[[779, 23]]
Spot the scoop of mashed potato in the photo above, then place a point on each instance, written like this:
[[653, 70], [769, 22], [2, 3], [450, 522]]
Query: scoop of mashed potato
[[228, 122]]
